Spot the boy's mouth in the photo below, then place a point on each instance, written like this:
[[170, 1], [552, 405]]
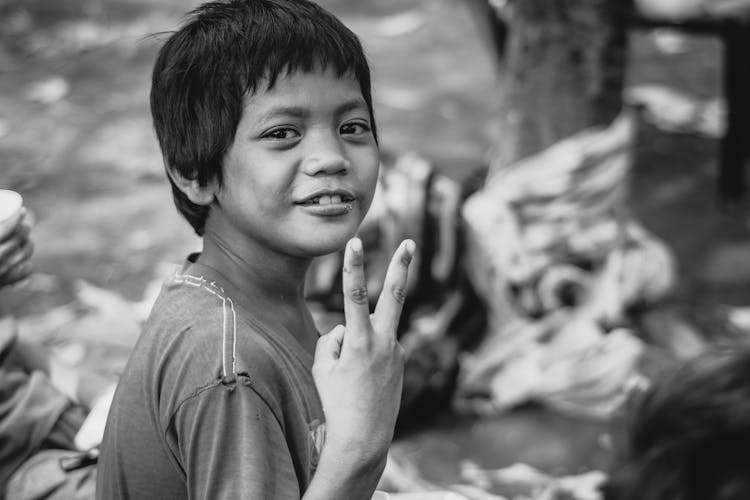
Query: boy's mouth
[[332, 198]]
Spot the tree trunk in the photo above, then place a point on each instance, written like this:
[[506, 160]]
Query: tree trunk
[[562, 71]]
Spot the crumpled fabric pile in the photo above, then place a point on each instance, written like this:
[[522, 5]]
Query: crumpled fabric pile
[[518, 481], [533, 484], [560, 263]]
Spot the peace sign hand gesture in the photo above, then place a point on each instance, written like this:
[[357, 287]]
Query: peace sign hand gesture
[[358, 368]]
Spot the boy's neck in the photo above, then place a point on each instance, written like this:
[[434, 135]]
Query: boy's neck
[[274, 283]]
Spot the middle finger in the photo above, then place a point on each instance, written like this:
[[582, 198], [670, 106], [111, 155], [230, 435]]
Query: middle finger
[[391, 300]]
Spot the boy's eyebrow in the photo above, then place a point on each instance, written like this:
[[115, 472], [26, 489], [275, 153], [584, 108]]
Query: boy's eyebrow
[[354, 104], [302, 112], [296, 111]]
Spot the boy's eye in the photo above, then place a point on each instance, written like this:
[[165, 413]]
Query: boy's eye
[[282, 134], [354, 128]]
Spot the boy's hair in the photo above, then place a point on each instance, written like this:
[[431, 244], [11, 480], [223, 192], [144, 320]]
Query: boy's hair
[[690, 436], [224, 51]]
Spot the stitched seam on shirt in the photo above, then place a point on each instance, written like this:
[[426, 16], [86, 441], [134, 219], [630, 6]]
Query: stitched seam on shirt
[[216, 384], [234, 337], [227, 306], [215, 289]]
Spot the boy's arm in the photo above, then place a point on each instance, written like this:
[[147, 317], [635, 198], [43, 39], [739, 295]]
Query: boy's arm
[[340, 477], [232, 446]]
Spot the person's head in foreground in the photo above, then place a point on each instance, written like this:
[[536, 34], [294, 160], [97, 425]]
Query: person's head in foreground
[[690, 434], [264, 116]]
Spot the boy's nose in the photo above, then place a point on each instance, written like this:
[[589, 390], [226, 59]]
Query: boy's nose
[[325, 162]]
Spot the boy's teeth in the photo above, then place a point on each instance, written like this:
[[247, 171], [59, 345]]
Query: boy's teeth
[[328, 200]]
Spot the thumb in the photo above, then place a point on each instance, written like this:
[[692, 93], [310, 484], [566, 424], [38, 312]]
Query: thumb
[[329, 345]]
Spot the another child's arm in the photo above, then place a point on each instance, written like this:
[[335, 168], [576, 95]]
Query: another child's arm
[[89, 389], [16, 249], [358, 371], [81, 387]]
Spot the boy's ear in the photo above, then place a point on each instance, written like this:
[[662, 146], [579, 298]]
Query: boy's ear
[[200, 195]]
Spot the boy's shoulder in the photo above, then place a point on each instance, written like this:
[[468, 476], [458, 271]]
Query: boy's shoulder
[[196, 328], [195, 316], [191, 343], [186, 302]]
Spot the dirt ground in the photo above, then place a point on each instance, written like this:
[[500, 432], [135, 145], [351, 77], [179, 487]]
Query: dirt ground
[[76, 141]]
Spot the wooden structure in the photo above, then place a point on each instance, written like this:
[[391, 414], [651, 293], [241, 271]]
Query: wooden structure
[[732, 26], [562, 66]]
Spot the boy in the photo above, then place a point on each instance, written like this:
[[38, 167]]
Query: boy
[[264, 116]]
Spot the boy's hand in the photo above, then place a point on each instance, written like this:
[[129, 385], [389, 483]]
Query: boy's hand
[[358, 368], [15, 252]]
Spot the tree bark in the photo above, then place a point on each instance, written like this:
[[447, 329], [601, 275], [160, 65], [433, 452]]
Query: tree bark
[[563, 70]]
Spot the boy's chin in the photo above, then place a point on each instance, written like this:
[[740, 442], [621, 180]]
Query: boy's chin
[[325, 244]]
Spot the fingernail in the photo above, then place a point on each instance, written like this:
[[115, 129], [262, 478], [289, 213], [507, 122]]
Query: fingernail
[[356, 245], [411, 247]]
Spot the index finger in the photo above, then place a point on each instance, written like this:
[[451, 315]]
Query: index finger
[[391, 300], [356, 299]]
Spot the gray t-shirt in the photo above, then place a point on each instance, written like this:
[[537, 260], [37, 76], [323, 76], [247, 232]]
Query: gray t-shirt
[[211, 404]]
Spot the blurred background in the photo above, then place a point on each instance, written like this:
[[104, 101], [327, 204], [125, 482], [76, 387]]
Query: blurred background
[[76, 141]]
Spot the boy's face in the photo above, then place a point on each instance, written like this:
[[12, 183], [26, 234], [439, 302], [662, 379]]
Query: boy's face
[[302, 170]]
